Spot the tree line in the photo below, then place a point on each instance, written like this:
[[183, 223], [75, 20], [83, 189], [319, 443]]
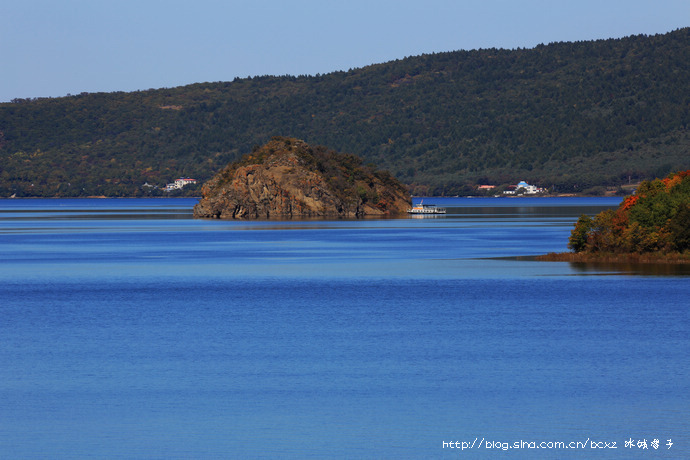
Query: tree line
[[568, 117], [656, 219]]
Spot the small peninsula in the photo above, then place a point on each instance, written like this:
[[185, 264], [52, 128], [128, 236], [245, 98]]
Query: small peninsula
[[287, 178], [651, 226]]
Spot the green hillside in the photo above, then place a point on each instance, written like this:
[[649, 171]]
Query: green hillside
[[566, 116]]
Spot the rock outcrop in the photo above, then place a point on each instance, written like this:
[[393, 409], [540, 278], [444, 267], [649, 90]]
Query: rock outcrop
[[287, 178]]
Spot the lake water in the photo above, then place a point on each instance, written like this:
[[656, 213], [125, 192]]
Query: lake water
[[130, 330]]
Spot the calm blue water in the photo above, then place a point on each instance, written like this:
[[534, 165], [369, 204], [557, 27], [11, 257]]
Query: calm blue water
[[130, 330]]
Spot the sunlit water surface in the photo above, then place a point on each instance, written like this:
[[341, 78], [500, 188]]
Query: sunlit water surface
[[130, 330]]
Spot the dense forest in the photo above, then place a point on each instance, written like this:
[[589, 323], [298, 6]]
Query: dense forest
[[654, 220], [569, 117]]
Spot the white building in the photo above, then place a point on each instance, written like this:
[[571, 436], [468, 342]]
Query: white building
[[528, 189], [182, 182], [179, 184]]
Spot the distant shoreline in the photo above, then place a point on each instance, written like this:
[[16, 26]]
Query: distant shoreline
[[95, 197], [634, 258]]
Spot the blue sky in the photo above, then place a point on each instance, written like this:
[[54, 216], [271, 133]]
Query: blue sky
[[55, 47]]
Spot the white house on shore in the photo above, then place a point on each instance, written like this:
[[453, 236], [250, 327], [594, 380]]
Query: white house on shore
[[179, 184], [528, 189]]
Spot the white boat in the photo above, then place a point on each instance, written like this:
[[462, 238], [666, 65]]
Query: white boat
[[422, 208]]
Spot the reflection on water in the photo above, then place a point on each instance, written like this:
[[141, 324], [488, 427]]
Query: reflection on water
[[112, 208], [131, 330], [479, 228], [622, 268]]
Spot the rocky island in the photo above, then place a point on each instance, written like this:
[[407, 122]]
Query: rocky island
[[287, 178]]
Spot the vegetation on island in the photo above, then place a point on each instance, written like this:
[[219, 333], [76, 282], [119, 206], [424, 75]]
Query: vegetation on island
[[345, 174], [651, 226], [567, 117]]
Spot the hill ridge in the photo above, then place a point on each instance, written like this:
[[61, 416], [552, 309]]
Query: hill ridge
[[567, 116]]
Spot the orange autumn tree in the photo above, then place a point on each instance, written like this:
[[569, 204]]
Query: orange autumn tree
[[655, 219]]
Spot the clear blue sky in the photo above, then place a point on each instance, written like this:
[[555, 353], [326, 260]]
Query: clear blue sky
[[55, 47]]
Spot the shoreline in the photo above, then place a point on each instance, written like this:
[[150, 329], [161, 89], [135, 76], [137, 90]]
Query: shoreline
[[93, 197], [633, 258]]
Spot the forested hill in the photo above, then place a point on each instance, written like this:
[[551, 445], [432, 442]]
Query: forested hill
[[565, 115]]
